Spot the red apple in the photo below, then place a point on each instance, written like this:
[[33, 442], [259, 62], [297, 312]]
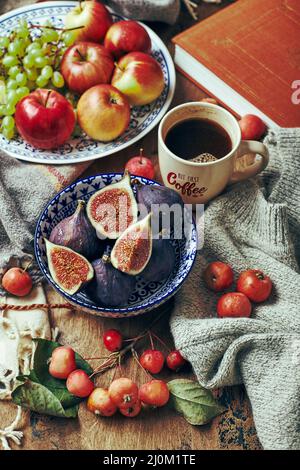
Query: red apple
[[93, 16], [45, 119], [79, 383], [103, 113], [140, 77], [252, 127], [17, 281], [85, 65], [127, 36], [141, 166], [62, 362]]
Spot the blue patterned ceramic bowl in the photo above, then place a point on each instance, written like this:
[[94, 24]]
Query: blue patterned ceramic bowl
[[146, 296], [82, 149]]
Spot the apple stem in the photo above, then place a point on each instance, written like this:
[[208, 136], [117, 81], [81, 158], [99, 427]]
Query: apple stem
[[118, 67], [141, 155], [151, 339], [47, 98], [28, 264], [80, 5], [80, 55]]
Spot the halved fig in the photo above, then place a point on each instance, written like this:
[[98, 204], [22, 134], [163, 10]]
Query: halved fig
[[69, 269], [133, 249], [112, 209]]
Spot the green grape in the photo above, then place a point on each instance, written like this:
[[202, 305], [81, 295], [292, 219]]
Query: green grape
[[11, 84], [9, 61], [58, 80], [8, 133], [4, 41], [21, 79], [10, 109], [49, 35], [40, 62], [8, 123], [13, 71], [69, 38], [34, 53], [12, 97], [28, 61], [41, 81], [47, 71], [22, 91], [2, 109], [32, 74], [27, 42], [22, 32], [33, 46], [16, 48]]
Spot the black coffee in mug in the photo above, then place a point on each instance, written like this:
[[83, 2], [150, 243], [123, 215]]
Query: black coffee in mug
[[192, 137]]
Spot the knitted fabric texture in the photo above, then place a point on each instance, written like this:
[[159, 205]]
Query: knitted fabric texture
[[166, 11], [255, 224]]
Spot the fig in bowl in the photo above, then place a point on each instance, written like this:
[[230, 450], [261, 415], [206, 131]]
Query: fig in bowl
[[113, 284]]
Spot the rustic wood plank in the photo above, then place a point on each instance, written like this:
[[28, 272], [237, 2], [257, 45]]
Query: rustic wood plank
[[159, 429]]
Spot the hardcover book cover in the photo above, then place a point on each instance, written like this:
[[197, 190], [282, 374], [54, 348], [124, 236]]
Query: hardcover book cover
[[253, 48]]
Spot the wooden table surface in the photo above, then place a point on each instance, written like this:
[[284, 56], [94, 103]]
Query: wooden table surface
[[160, 429]]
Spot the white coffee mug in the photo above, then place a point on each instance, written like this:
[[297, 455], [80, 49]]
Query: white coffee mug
[[200, 182]]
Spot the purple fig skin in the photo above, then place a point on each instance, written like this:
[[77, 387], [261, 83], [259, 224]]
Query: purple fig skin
[[77, 233], [110, 287], [159, 195], [162, 261], [149, 194]]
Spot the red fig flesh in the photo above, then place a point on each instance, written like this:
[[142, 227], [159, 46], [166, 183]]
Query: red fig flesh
[[68, 269], [133, 249], [112, 209]]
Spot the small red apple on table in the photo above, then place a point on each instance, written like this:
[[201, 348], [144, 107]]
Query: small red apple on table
[[93, 16], [45, 119], [62, 362], [85, 65], [103, 113], [127, 36], [17, 281], [252, 127], [141, 166], [140, 77]]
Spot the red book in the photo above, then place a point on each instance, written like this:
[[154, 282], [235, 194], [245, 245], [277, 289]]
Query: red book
[[248, 56]]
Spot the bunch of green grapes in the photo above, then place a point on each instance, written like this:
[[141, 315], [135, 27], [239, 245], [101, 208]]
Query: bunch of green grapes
[[27, 63]]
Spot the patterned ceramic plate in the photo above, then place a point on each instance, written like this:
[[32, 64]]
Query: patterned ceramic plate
[[146, 296], [143, 118]]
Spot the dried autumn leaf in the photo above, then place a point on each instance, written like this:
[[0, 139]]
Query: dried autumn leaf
[[197, 405]]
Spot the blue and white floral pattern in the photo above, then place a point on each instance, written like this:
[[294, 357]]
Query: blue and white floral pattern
[[146, 296], [143, 118]]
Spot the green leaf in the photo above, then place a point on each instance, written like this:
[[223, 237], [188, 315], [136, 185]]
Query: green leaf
[[195, 403], [38, 398], [42, 355]]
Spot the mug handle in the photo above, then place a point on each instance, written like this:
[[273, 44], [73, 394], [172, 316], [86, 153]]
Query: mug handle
[[246, 163]]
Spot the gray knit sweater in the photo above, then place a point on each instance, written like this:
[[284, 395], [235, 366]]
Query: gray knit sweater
[[256, 224]]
